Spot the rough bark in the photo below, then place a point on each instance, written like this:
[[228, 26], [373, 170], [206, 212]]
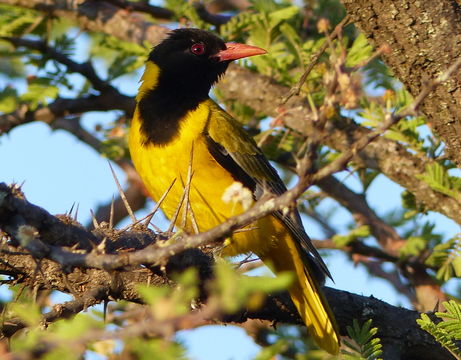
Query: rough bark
[[425, 39]]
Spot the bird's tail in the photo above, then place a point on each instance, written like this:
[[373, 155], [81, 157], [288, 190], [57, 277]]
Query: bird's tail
[[306, 294]]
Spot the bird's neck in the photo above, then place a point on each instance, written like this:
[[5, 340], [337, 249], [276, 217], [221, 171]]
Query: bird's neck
[[162, 103]]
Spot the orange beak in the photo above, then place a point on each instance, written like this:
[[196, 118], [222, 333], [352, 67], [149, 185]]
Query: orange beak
[[236, 51]]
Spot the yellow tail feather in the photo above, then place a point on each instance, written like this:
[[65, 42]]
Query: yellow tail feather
[[305, 293]]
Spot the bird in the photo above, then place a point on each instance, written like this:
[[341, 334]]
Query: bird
[[180, 138]]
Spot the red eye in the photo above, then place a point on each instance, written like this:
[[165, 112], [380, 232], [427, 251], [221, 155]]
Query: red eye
[[197, 49]]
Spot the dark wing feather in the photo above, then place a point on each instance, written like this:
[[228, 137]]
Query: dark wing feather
[[236, 151]]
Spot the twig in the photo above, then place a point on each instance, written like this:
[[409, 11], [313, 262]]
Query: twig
[[145, 7], [314, 59], [122, 195], [187, 189], [85, 69], [59, 311], [158, 204]]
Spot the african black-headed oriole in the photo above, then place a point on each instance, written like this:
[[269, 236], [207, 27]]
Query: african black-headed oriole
[[174, 116]]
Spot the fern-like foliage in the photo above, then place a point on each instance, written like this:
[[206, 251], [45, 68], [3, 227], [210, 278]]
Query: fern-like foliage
[[365, 346], [437, 177], [447, 258], [448, 330]]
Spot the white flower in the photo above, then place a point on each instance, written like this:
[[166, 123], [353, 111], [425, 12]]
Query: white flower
[[237, 193]]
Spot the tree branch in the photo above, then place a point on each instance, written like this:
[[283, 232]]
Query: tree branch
[[85, 69], [398, 330], [62, 107]]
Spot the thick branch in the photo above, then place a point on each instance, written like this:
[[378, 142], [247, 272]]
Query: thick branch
[[399, 333], [29, 235]]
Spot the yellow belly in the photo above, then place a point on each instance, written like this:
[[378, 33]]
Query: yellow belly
[[160, 166]]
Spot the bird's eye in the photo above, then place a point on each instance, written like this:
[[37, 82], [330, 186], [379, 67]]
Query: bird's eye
[[197, 49]]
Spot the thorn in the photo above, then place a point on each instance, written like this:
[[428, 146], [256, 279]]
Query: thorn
[[69, 213], [122, 195], [436, 307], [174, 218], [104, 310], [93, 219], [245, 229], [149, 216], [187, 189], [111, 215], [193, 220], [176, 212], [76, 211], [159, 203]]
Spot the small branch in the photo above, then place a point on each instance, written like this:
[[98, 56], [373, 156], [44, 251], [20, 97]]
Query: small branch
[[210, 18], [62, 107], [85, 69], [357, 248], [363, 214], [144, 7], [166, 14], [294, 91], [59, 311]]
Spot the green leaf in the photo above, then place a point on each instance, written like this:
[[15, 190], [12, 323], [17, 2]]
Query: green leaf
[[187, 10], [439, 333], [234, 290], [27, 312], [156, 349], [413, 246], [293, 42], [30, 340], [79, 325], [14, 20], [436, 176], [269, 352], [278, 16], [166, 302], [447, 258], [61, 353], [366, 345], [359, 52], [38, 91], [452, 319], [343, 240], [8, 100], [114, 148]]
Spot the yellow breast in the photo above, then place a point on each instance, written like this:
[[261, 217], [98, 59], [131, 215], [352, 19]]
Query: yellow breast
[[162, 165]]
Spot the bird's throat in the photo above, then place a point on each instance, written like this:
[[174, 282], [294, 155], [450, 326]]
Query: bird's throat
[[163, 101]]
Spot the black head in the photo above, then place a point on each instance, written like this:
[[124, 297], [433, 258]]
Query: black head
[[188, 59], [189, 62]]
